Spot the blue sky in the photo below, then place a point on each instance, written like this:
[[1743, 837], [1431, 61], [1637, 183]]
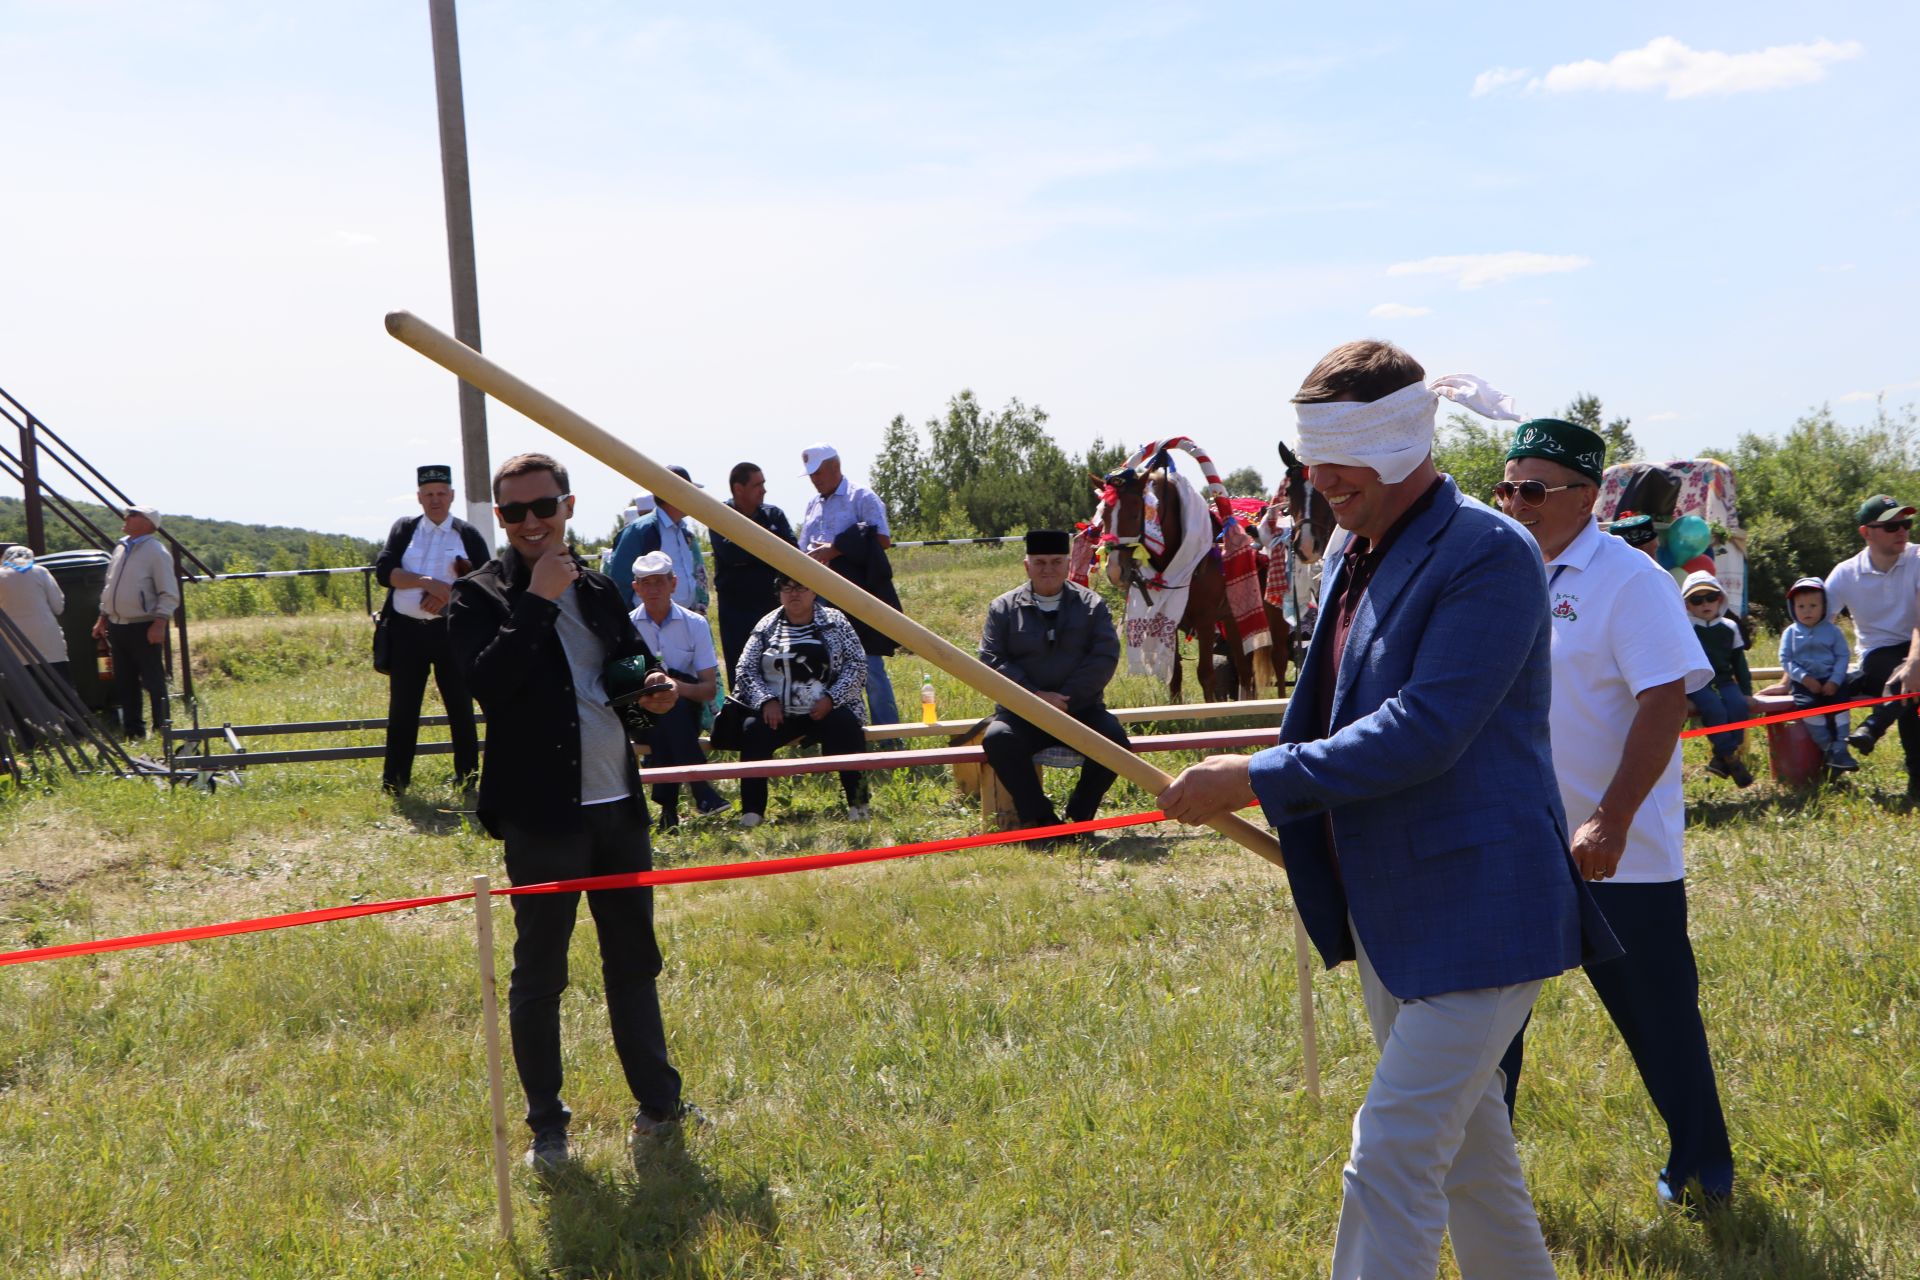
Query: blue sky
[[726, 231]]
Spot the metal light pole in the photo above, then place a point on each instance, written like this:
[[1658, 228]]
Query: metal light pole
[[477, 472]]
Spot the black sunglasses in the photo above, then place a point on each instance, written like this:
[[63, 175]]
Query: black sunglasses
[[1532, 492], [539, 508], [1897, 526]]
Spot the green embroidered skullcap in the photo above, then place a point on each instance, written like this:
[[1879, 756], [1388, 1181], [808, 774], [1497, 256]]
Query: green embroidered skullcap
[[1561, 442]]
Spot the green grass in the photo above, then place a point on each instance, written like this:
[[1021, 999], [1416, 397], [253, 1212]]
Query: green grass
[[991, 1063]]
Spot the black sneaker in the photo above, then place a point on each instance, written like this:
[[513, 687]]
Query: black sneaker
[[1862, 741], [1719, 767], [548, 1152], [1742, 776]]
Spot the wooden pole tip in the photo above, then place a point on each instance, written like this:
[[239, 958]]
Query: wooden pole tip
[[395, 319]]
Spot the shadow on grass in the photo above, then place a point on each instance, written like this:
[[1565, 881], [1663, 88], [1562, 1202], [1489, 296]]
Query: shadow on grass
[[1751, 1240], [1739, 807], [430, 817], [662, 1221], [1137, 849]]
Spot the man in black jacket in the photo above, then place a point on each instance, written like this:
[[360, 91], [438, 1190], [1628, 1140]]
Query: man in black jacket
[[1055, 638], [533, 630], [423, 556], [744, 582]]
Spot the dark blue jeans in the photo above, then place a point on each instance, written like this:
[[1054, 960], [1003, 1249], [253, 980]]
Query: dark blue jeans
[[1721, 703], [1653, 995]]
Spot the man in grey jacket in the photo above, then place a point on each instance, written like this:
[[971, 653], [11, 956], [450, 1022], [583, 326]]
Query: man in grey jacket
[[1056, 638], [141, 594]]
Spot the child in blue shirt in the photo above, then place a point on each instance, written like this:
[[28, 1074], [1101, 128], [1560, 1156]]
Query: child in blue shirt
[[1814, 653]]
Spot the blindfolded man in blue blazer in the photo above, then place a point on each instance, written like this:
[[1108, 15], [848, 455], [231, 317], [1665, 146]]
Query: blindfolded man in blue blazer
[[1414, 796]]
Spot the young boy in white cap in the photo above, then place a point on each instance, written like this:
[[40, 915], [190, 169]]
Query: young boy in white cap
[[1814, 654], [1723, 700]]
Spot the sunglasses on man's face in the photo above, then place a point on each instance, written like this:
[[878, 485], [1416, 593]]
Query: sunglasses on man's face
[[1531, 492], [539, 509], [1897, 526]]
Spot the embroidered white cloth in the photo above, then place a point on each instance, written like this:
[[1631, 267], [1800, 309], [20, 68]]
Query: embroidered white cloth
[[1394, 434], [1153, 629]]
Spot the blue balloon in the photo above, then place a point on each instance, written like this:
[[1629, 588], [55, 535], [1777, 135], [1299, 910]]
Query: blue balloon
[[1686, 538]]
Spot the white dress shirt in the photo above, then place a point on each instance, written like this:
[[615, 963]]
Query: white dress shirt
[[430, 554]]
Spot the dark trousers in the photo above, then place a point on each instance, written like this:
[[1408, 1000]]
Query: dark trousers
[[137, 663], [1721, 703], [1875, 666], [839, 733], [611, 839], [736, 627], [1011, 743], [1824, 730], [1653, 995], [675, 739], [420, 647]]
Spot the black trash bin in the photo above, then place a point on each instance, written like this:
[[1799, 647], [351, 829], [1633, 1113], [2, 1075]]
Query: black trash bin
[[82, 576]]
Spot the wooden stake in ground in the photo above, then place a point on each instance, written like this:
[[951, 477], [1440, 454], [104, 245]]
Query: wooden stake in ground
[[598, 443], [490, 1015]]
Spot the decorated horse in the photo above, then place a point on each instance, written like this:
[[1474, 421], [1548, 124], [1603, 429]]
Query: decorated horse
[[1179, 581], [1296, 528]]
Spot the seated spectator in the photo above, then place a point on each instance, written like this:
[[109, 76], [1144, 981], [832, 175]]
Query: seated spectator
[[1722, 700], [803, 674], [680, 638], [1055, 638], [1814, 654]]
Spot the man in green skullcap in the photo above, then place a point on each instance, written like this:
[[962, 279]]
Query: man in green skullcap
[[1624, 661]]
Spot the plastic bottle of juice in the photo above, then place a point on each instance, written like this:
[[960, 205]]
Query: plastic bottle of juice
[[928, 713]]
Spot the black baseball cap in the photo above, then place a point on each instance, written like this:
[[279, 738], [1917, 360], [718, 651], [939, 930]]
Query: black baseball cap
[[1882, 508]]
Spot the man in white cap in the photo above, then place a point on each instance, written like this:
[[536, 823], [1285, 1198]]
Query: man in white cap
[[845, 528], [140, 597], [1413, 793], [683, 642]]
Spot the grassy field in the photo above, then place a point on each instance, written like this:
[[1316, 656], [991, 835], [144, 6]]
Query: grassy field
[[996, 1063]]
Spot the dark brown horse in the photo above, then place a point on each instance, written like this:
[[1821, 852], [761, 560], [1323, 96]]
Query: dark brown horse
[[1312, 517], [1207, 592]]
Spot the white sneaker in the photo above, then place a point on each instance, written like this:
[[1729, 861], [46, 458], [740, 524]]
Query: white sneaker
[[749, 820], [859, 812]]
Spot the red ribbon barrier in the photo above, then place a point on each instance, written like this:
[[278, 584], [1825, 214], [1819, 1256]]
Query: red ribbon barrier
[[627, 880], [1802, 713], [721, 871]]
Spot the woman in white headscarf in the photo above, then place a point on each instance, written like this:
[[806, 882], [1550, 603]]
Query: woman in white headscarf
[[32, 601]]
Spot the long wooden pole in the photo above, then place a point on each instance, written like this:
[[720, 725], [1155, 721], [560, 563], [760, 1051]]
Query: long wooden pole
[[490, 1017], [458, 358]]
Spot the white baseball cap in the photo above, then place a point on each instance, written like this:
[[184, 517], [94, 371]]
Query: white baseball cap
[[813, 455], [643, 504], [151, 513], [652, 565]]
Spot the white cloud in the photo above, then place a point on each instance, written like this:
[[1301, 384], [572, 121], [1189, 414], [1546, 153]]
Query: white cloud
[[1499, 77], [1857, 397], [1471, 270], [1398, 311], [1666, 64]]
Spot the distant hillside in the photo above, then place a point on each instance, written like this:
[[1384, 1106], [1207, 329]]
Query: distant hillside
[[220, 543]]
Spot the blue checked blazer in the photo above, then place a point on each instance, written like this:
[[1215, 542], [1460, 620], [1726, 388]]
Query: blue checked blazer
[[1436, 784]]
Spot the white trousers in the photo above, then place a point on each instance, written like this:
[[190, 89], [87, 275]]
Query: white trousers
[[1433, 1147]]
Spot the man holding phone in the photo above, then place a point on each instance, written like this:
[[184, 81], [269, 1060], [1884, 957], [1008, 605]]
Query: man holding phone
[[533, 629], [680, 638]]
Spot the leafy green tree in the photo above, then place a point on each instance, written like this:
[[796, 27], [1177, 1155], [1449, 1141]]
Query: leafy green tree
[[1621, 446], [897, 473], [1245, 483], [1474, 452], [1797, 495]]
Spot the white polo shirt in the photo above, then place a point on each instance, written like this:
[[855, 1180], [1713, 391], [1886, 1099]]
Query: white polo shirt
[[1619, 629], [683, 642], [1885, 605]]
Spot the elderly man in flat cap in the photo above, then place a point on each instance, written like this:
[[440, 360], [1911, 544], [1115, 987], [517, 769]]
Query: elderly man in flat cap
[[1414, 797], [1056, 638], [423, 556], [1624, 660], [141, 595]]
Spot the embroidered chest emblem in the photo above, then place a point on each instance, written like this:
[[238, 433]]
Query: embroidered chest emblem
[[1563, 606]]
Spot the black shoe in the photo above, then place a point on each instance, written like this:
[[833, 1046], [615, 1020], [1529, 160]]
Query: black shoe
[[718, 804], [1742, 776], [549, 1152], [1692, 1198], [1862, 741], [648, 1132], [1719, 767]]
